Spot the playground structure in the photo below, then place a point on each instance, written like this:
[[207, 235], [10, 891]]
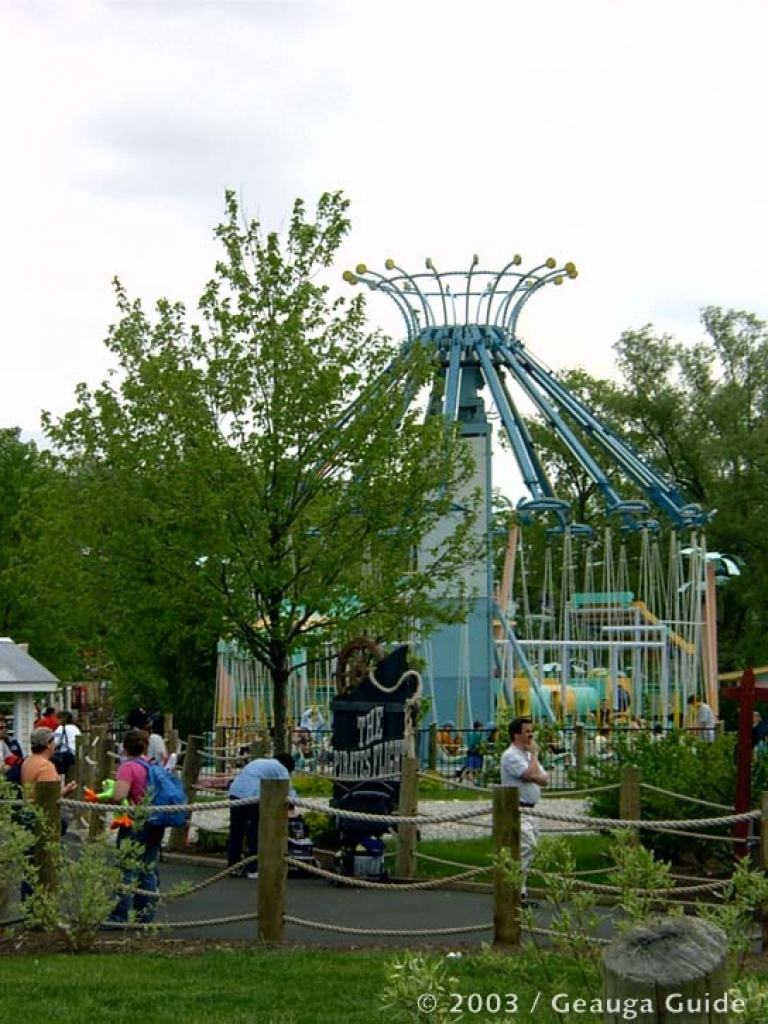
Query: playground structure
[[599, 646], [644, 645], [631, 633]]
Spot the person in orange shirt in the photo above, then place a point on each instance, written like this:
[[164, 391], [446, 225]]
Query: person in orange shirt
[[38, 767]]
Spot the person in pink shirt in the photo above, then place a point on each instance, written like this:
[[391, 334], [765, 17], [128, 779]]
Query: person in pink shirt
[[139, 872]]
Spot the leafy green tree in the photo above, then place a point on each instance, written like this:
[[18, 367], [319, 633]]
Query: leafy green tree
[[18, 460], [256, 472], [26, 614], [698, 413]]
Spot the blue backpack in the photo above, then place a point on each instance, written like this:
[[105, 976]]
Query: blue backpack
[[164, 788]]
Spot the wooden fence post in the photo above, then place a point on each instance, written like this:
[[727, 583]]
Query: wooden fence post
[[98, 772], [671, 968], [405, 865], [273, 848], [48, 833], [81, 762], [764, 860], [220, 753], [193, 760], [172, 741], [630, 806], [578, 745], [506, 836], [261, 745]]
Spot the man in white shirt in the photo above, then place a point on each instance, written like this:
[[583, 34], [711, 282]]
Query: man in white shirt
[[705, 719], [520, 768]]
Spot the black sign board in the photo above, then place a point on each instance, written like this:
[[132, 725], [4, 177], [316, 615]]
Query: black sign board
[[369, 732]]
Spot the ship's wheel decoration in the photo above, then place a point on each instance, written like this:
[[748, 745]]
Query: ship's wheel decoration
[[354, 663]]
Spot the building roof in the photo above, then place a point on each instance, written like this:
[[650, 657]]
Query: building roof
[[20, 672]]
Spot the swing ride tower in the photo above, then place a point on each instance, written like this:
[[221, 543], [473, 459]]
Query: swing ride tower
[[469, 319]]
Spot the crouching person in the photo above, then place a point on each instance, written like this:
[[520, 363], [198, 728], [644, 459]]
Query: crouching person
[[138, 842]]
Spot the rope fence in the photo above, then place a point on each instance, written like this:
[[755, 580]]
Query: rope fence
[[503, 817]]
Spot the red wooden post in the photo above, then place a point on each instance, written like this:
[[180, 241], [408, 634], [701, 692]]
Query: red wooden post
[[745, 693]]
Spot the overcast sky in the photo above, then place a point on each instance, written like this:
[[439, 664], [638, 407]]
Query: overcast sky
[[628, 137]]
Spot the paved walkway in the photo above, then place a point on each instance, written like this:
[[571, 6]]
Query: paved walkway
[[362, 912], [366, 913]]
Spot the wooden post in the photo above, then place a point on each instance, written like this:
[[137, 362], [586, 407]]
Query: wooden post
[[81, 762], [273, 848], [630, 806], [506, 836], [764, 861], [405, 866], [433, 747], [100, 771], [220, 754], [672, 968], [260, 745], [193, 759], [48, 833], [746, 693], [172, 741], [578, 745]]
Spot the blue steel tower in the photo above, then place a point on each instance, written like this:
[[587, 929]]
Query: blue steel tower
[[470, 319]]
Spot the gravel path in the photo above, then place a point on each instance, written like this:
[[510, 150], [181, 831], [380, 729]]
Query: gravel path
[[469, 828]]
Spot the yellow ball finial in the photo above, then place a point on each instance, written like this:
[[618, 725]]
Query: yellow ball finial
[[390, 264], [517, 259], [559, 279], [361, 269], [570, 269], [551, 263], [430, 265], [349, 277], [475, 260]]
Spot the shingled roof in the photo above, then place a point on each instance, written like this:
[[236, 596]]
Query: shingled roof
[[19, 672]]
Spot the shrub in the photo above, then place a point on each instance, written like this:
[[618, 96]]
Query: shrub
[[209, 841], [322, 829], [15, 842], [680, 764], [83, 899]]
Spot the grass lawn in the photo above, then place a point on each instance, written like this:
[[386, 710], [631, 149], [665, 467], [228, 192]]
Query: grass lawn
[[590, 852], [296, 986], [257, 987]]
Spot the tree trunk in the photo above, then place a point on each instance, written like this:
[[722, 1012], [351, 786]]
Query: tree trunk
[[280, 678], [666, 969]]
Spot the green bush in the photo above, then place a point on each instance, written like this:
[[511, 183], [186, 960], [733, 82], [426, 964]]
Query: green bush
[[322, 829], [680, 764], [209, 841], [15, 842], [83, 898]]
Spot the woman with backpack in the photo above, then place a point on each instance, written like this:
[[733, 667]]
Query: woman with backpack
[[140, 841]]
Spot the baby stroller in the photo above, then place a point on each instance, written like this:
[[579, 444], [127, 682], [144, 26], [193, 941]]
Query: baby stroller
[[361, 847], [300, 846]]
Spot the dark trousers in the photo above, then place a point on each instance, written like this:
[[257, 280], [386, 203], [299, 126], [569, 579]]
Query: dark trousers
[[243, 830]]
